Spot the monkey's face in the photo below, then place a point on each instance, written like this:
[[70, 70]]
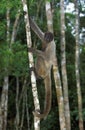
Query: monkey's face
[[48, 37]]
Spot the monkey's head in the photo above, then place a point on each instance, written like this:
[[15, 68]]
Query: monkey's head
[[48, 37]]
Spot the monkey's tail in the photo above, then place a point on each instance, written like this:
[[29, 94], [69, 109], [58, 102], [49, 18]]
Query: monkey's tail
[[48, 96]]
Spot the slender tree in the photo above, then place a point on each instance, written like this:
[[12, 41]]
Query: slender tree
[[4, 96], [14, 31], [63, 66], [77, 66], [17, 119], [56, 72], [31, 64]]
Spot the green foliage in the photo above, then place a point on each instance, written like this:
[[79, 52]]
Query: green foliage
[[19, 60], [4, 54], [15, 59], [48, 123], [2, 30]]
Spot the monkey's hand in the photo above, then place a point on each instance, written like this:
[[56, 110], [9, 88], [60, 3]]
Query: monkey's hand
[[36, 112], [31, 49]]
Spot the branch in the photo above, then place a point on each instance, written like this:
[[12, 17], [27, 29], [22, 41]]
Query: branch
[[14, 32]]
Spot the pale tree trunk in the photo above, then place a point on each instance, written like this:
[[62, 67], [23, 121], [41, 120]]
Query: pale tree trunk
[[31, 64], [4, 105], [13, 37], [56, 72], [14, 31], [4, 96], [77, 68], [63, 66]]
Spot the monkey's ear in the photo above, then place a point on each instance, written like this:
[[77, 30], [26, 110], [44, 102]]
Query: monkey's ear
[[48, 37]]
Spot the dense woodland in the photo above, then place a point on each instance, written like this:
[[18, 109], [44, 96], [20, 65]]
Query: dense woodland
[[17, 101]]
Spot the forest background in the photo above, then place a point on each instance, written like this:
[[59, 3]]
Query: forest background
[[16, 97]]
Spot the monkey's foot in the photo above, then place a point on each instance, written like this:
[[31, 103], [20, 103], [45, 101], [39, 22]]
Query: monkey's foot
[[32, 69], [36, 113]]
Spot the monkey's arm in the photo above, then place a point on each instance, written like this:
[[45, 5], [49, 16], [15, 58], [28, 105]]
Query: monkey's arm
[[36, 29], [37, 52], [45, 37]]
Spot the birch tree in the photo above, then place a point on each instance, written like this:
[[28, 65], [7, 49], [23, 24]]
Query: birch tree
[[31, 64], [77, 67], [56, 72], [4, 96], [63, 66]]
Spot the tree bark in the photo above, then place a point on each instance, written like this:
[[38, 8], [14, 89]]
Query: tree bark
[[31, 64], [77, 67], [14, 31], [4, 96], [63, 66], [56, 72], [4, 105]]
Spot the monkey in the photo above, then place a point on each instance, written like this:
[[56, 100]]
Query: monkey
[[45, 37], [43, 65]]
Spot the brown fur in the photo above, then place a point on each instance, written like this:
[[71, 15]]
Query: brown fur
[[45, 59]]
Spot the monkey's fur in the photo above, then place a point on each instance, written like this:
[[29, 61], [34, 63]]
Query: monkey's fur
[[43, 65]]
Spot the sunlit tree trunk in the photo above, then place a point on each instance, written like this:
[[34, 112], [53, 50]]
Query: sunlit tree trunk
[[31, 64], [63, 66], [4, 96], [56, 72], [77, 67]]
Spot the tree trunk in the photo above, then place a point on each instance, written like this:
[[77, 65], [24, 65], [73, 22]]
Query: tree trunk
[[14, 31], [77, 67], [31, 64], [56, 72], [63, 67], [4, 105], [4, 96], [17, 119]]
